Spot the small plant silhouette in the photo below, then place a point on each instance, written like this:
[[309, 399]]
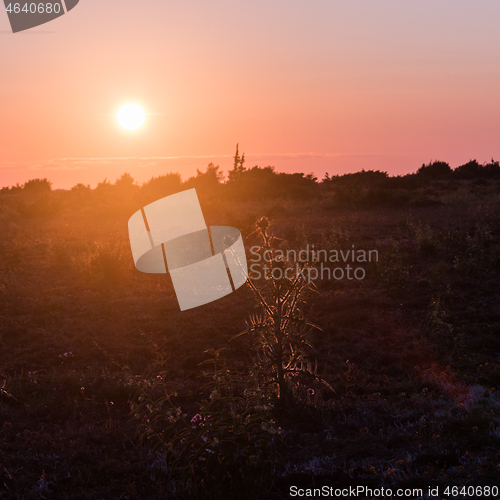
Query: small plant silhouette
[[228, 449], [282, 330]]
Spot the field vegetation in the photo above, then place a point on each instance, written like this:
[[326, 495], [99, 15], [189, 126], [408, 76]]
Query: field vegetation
[[108, 391]]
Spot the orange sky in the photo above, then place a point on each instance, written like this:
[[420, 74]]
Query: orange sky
[[305, 86]]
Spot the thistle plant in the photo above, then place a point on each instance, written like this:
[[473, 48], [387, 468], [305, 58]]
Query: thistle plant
[[281, 330], [229, 447]]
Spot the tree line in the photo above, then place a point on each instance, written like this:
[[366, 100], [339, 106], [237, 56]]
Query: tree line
[[257, 182]]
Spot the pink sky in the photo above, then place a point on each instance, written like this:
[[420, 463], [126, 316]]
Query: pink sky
[[323, 86]]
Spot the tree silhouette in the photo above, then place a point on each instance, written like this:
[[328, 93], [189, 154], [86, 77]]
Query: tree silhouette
[[238, 168]]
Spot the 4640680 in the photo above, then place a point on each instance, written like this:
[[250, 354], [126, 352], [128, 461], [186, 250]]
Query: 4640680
[[471, 491], [34, 8]]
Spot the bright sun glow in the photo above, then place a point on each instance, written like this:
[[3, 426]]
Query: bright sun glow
[[131, 116]]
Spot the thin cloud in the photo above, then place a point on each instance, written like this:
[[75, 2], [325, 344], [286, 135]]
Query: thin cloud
[[138, 161]]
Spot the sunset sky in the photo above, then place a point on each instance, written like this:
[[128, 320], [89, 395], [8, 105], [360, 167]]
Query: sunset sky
[[313, 86]]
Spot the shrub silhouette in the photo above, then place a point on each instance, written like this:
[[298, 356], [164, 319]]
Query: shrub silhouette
[[492, 170], [207, 182], [264, 183], [17, 189], [125, 189], [434, 170], [126, 182], [37, 186], [469, 170], [473, 170], [365, 178], [161, 186], [81, 190], [104, 188], [368, 188]]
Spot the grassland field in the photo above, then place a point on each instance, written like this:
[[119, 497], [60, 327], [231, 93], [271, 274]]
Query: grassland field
[[412, 351]]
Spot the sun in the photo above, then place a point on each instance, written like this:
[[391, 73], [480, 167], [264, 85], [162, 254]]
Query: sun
[[131, 116]]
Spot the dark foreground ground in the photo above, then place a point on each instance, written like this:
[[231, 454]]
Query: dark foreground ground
[[412, 351]]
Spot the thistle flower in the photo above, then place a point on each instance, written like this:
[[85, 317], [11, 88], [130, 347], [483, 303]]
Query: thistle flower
[[262, 223]]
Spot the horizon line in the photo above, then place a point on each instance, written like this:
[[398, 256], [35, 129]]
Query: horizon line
[[90, 159]]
